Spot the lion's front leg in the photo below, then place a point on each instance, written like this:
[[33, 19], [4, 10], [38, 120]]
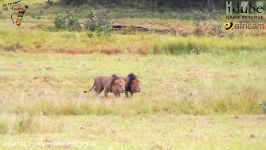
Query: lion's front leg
[[127, 94], [117, 95], [106, 90]]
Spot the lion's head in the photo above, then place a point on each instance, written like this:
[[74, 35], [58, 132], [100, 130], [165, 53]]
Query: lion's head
[[119, 86], [136, 86]]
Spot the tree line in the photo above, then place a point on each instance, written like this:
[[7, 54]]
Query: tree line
[[181, 4]]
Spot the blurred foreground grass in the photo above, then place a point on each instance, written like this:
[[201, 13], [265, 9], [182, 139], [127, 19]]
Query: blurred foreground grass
[[130, 133]]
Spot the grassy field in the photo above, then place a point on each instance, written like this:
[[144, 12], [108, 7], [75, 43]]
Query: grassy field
[[189, 101], [231, 83]]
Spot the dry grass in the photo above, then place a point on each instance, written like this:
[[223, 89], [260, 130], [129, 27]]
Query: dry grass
[[50, 84]]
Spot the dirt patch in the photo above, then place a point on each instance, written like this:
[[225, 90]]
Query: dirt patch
[[262, 117], [79, 51], [110, 51], [221, 76]]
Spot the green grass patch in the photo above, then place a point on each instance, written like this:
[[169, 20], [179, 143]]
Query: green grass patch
[[179, 45], [3, 127], [79, 43]]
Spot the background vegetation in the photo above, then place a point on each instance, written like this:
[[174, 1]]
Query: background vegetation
[[155, 4]]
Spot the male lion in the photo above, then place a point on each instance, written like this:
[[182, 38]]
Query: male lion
[[132, 84], [107, 84]]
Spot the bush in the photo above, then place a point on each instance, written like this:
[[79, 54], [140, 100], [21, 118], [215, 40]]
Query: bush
[[50, 2], [60, 22], [67, 21], [100, 24]]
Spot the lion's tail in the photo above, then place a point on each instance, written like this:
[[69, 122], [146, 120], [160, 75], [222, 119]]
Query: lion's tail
[[90, 89]]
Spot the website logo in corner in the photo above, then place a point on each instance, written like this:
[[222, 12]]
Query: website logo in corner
[[229, 25], [17, 10], [244, 26], [244, 7], [244, 10]]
